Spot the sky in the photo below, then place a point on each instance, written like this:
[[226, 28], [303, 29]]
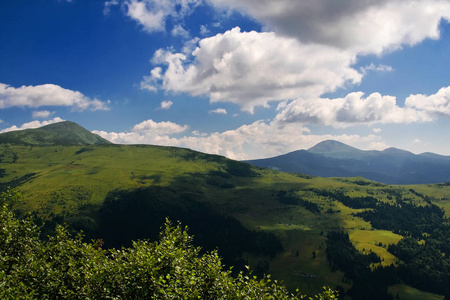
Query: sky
[[244, 79]]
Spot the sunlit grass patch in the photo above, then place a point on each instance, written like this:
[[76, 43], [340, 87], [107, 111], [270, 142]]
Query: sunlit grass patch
[[376, 241]]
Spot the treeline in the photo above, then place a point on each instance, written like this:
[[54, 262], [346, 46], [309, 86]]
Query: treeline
[[65, 267], [404, 218]]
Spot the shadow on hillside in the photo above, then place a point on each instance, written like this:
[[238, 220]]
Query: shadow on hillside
[[128, 215]]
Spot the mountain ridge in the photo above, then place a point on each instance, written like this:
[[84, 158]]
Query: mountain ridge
[[335, 159]]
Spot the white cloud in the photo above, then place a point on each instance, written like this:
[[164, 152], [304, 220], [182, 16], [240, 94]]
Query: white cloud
[[155, 74], [378, 146], [197, 133], [220, 111], [360, 26], [152, 127], [353, 109], [152, 14], [166, 104], [33, 124], [417, 141], [437, 104], [46, 95], [251, 69], [42, 114], [204, 30], [146, 132], [377, 130], [378, 68], [178, 30], [190, 46], [152, 19]]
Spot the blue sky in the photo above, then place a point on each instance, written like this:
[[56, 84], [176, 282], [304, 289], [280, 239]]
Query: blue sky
[[240, 78]]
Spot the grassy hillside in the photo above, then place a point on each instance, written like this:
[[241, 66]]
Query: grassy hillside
[[112, 189]]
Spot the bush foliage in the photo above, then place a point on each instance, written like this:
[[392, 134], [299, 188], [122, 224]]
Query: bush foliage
[[65, 267]]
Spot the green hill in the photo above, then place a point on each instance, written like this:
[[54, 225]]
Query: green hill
[[276, 222], [63, 133]]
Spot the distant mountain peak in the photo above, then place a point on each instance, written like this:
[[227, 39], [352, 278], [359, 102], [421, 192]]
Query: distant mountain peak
[[64, 133], [333, 148], [61, 125], [329, 146]]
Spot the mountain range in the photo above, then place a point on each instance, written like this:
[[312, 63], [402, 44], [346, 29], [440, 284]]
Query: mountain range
[[335, 159]]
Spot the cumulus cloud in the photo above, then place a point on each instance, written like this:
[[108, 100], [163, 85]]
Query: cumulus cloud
[[152, 14], [146, 132], [42, 114], [350, 110], [437, 104], [46, 95], [360, 26], [251, 69], [220, 111], [166, 105], [151, 126], [257, 140], [33, 124]]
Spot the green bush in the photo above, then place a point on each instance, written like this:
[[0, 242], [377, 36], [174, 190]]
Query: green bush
[[65, 267]]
